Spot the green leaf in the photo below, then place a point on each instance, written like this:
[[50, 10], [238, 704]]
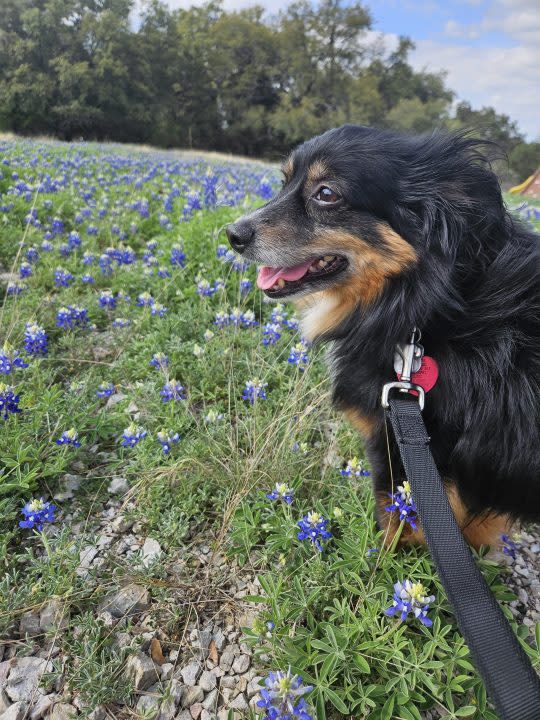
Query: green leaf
[[336, 701], [537, 634], [466, 711], [361, 663]]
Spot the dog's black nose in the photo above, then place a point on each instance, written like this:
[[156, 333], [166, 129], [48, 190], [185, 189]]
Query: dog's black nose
[[240, 234]]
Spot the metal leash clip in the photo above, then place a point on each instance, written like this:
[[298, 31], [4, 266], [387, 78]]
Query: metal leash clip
[[407, 360]]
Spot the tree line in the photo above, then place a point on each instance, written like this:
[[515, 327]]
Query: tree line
[[206, 78]]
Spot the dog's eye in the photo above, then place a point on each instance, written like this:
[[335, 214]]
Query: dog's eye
[[326, 195]]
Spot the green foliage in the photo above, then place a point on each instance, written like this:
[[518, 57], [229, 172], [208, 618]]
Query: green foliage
[[239, 81], [525, 159]]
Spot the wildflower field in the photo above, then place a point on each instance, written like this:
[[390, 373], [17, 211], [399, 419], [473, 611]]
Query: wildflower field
[[186, 527]]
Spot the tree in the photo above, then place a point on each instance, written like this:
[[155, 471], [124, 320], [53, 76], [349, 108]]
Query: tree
[[525, 159]]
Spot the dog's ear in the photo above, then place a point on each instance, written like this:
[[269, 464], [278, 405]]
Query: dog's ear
[[450, 198]]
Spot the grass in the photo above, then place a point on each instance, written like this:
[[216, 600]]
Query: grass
[[327, 609]]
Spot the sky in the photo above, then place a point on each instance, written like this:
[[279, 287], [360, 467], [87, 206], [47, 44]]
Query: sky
[[489, 48]]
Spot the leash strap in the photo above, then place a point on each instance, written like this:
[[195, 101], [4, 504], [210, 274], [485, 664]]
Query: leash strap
[[509, 677]]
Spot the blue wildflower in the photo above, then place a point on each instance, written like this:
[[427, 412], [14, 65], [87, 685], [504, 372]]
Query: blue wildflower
[[163, 272], [121, 322], [87, 279], [9, 402], [255, 389], [158, 309], [25, 270], [245, 286], [221, 251], [265, 189], [178, 256], [106, 299], [16, 287], [313, 528], [133, 435], [62, 278], [278, 315], [298, 355], [74, 239], [69, 437], [159, 360], [509, 546], [37, 513], [411, 597], [281, 492], [145, 300], [32, 255], [88, 258], [354, 467], [35, 339], [172, 390], [167, 438], [205, 289], [271, 333], [221, 319], [10, 359], [105, 390], [404, 504], [72, 316], [282, 697], [47, 246]]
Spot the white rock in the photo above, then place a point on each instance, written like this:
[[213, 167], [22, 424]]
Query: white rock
[[25, 677], [142, 671], [118, 486], [192, 695], [190, 673], [208, 680], [62, 711], [241, 664], [54, 615], [210, 701], [15, 712], [129, 600], [151, 551]]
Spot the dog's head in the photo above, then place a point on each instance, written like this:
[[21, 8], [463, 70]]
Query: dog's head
[[359, 209]]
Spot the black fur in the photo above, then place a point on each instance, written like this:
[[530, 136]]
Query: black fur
[[474, 293]]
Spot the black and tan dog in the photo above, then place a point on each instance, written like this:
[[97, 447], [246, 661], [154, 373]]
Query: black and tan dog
[[374, 233]]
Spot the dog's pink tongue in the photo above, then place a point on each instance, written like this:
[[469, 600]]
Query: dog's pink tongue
[[269, 275]]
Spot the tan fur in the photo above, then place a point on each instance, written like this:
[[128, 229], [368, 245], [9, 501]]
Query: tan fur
[[316, 172], [371, 267], [483, 530], [287, 169], [366, 424]]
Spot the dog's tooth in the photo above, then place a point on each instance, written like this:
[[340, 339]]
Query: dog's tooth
[[312, 268], [322, 263], [329, 258], [280, 283]]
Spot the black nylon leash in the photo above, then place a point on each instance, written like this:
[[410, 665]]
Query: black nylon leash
[[510, 679]]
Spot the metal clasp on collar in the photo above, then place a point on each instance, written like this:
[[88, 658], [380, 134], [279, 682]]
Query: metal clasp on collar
[[409, 357]]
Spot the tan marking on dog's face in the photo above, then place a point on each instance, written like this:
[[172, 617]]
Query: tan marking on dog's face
[[316, 172], [365, 424], [370, 269], [288, 169]]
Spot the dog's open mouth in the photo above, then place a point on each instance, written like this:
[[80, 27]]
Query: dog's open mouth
[[281, 281]]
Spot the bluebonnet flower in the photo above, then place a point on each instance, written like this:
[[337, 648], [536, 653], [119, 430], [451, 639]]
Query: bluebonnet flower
[[10, 359], [278, 315], [133, 435], [107, 299], [281, 492], [87, 279], [74, 239], [159, 360], [178, 256], [209, 184], [121, 322], [245, 286], [221, 251], [509, 546], [163, 272], [313, 528], [32, 255], [221, 319], [354, 467], [219, 284], [105, 263], [301, 447], [265, 189], [105, 390], [35, 339], [152, 245], [208, 335], [213, 416], [192, 203], [205, 289], [62, 278], [172, 390], [282, 697], [145, 300], [25, 270], [72, 316], [88, 258], [65, 250], [16, 287], [167, 438], [69, 437], [242, 319], [57, 227], [9, 402], [158, 309], [37, 513], [411, 597], [298, 355], [47, 246], [404, 504], [255, 389]]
